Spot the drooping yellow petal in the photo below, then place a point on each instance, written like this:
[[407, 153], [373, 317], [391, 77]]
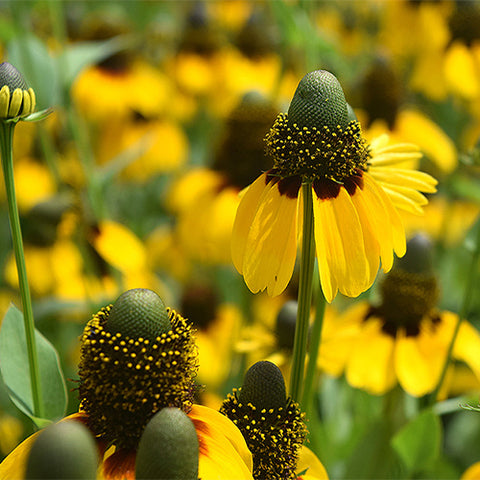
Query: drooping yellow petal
[[246, 211], [407, 177], [308, 461], [405, 198], [370, 365], [271, 246], [224, 455], [340, 246], [419, 360]]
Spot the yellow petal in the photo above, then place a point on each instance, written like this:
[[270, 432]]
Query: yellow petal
[[119, 246], [467, 343], [370, 365], [340, 246], [405, 198], [33, 99], [4, 101], [419, 360], [271, 245], [407, 177], [26, 108], [243, 220], [314, 468], [16, 100], [224, 454], [472, 472]]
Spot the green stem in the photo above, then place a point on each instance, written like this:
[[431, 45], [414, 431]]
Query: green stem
[[6, 145], [304, 295], [462, 314], [314, 348]]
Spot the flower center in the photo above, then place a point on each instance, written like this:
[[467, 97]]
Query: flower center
[[407, 298], [125, 380], [326, 153]]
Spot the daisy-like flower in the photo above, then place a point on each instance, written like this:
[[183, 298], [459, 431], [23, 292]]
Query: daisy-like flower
[[402, 340], [272, 425], [356, 187], [137, 358]]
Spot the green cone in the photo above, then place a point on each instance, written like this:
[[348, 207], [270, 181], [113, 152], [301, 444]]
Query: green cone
[[168, 448], [139, 313], [318, 101], [263, 387], [63, 451]]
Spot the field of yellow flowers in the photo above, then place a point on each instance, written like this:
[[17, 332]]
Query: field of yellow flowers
[[240, 239]]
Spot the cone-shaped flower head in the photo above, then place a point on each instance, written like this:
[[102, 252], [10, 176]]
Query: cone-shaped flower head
[[137, 357], [356, 189], [410, 291], [168, 448], [318, 101], [63, 451], [16, 99], [271, 422]]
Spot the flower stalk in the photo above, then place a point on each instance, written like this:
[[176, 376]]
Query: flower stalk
[[6, 146], [307, 264], [313, 350]]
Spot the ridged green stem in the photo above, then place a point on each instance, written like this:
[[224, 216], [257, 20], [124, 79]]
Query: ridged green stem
[[304, 296], [313, 350], [6, 145], [462, 314]]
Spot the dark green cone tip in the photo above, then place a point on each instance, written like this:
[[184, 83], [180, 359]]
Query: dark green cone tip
[[63, 451], [419, 256], [168, 448], [318, 101], [10, 76], [139, 313], [285, 324], [263, 387]]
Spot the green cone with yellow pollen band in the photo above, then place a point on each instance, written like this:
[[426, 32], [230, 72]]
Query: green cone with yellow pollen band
[[16, 99], [316, 140], [126, 377], [271, 422]]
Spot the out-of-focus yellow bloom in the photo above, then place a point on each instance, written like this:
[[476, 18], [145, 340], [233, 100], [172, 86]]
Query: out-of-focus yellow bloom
[[150, 147], [33, 183], [11, 430], [100, 93]]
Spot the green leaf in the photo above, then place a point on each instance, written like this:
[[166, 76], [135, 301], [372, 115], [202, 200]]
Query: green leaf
[[418, 443], [15, 370]]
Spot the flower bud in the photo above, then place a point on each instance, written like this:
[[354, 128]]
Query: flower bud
[[319, 101], [139, 313], [65, 450], [263, 387], [16, 99], [285, 324], [168, 448], [418, 257]]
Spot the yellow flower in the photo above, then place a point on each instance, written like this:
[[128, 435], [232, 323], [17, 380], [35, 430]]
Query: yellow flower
[[138, 357], [403, 340], [357, 189], [101, 93]]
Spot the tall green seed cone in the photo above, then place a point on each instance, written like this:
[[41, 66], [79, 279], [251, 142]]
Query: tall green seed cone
[[168, 448], [63, 451], [139, 312], [263, 387], [318, 101], [11, 77]]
